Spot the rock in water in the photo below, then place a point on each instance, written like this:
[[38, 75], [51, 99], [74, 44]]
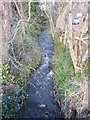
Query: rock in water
[[51, 73], [46, 115], [42, 106]]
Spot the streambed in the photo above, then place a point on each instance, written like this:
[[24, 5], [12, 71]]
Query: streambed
[[41, 101]]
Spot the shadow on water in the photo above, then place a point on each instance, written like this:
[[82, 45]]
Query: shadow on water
[[41, 102]]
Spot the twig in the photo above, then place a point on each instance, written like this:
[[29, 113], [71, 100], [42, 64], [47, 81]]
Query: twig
[[17, 8], [29, 9]]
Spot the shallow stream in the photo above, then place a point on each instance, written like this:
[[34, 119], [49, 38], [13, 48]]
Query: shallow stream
[[41, 101]]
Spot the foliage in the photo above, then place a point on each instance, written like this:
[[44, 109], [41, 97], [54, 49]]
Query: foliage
[[37, 22], [8, 99], [24, 58], [8, 104], [70, 86], [63, 69], [13, 83]]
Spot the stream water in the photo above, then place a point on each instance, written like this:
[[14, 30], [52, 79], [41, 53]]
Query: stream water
[[41, 102]]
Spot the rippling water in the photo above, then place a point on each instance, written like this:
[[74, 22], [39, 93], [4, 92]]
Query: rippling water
[[41, 102]]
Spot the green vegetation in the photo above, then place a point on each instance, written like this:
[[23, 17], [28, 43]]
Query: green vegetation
[[24, 59], [63, 69], [37, 22], [69, 83], [64, 72], [22, 54], [57, 43], [15, 85]]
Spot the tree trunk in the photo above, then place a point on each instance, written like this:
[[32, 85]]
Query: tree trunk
[[22, 19], [6, 27], [70, 43]]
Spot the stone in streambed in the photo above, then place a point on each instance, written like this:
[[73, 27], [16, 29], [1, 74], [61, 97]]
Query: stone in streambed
[[42, 106], [46, 115]]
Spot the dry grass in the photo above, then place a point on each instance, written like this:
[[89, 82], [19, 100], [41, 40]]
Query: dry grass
[[77, 100]]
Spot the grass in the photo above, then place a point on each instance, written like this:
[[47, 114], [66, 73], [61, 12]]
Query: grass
[[69, 83], [64, 72], [63, 69]]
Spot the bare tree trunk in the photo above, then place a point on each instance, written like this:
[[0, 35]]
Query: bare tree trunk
[[5, 35], [6, 27], [70, 42], [80, 52], [22, 19], [76, 52], [0, 60], [49, 15]]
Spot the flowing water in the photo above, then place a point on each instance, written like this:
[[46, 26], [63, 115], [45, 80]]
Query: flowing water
[[41, 102]]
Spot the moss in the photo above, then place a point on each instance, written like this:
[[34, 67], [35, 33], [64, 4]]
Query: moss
[[57, 43]]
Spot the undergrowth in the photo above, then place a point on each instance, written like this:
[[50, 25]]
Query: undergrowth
[[63, 69], [70, 86], [24, 59], [15, 78]]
